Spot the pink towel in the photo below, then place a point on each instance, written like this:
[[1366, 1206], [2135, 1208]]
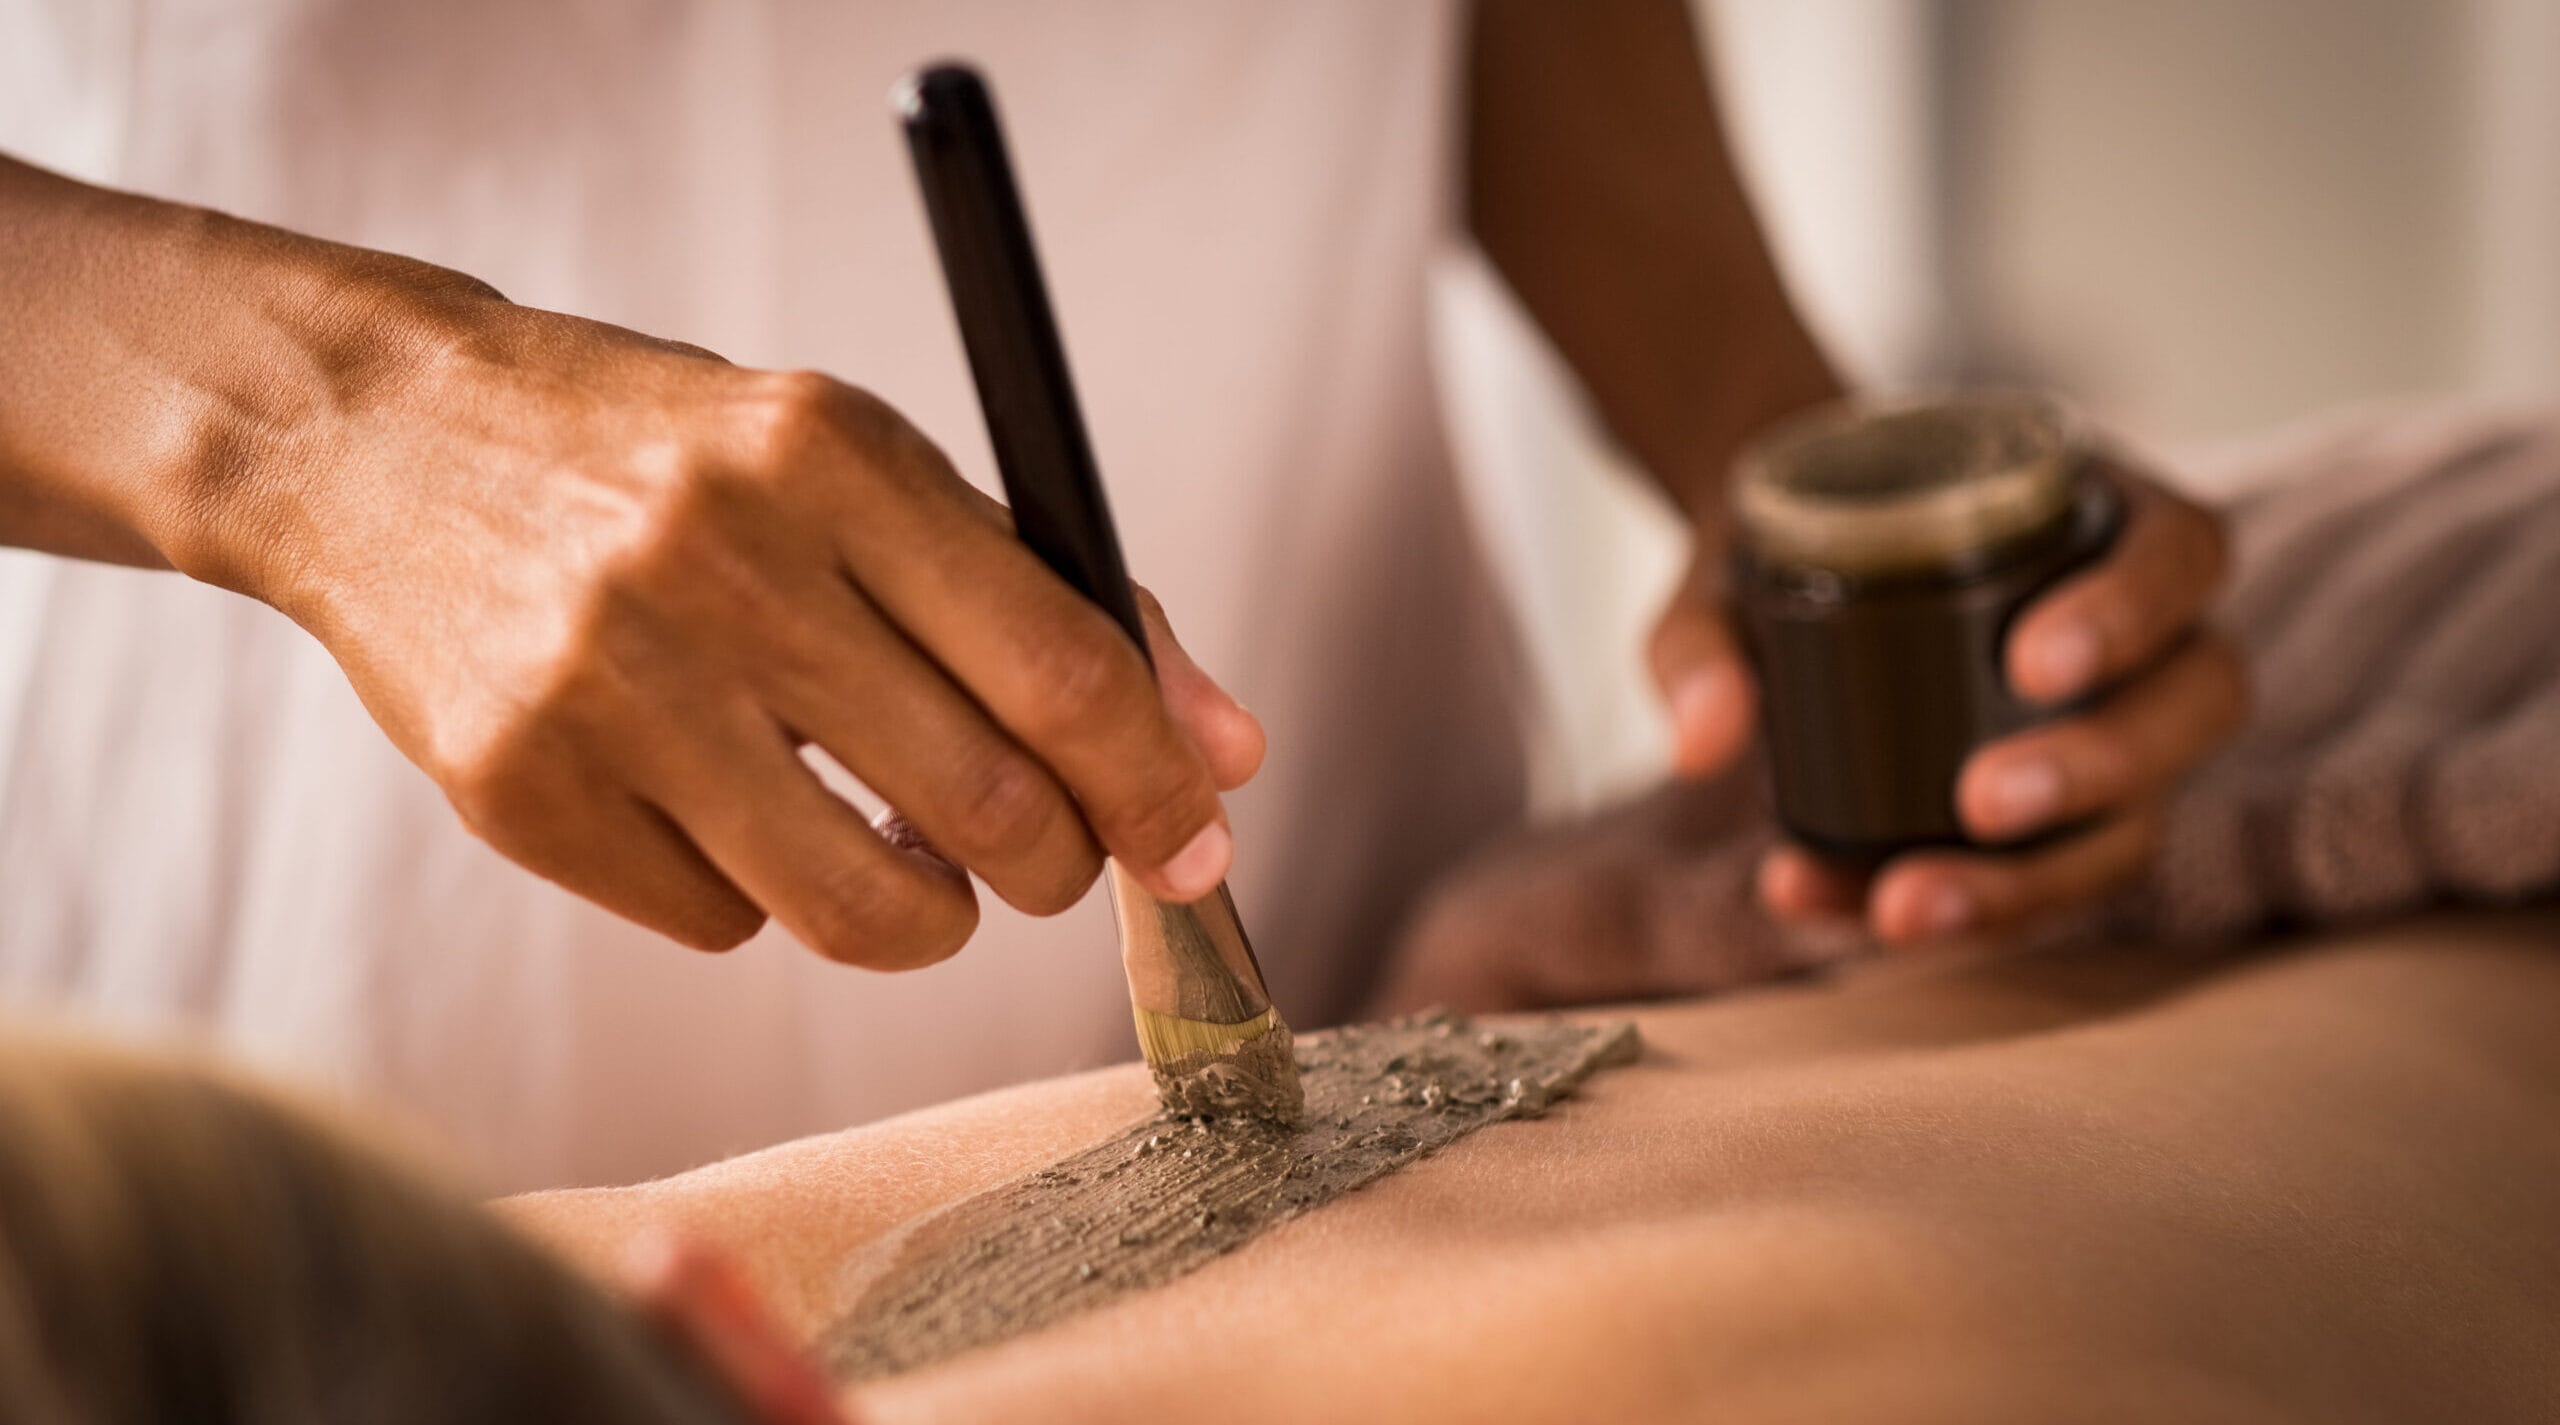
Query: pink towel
[[2397, 591]]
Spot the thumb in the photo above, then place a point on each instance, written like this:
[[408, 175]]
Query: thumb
[[1229, 737], [1705, 681]]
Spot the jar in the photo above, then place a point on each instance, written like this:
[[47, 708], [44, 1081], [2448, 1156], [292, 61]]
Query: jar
[[1882, 553]]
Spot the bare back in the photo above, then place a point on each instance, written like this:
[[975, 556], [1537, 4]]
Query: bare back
[[2319, 1184]]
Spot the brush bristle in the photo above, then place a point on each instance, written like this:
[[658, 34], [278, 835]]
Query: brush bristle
[[1170, 1039], [1208, 1070]]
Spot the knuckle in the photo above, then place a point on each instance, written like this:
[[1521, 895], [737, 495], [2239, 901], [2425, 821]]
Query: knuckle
[[848, 911], [670, 529], [1082, 682], [841, 919], [792, 418], [879, 914], [2181, 549], [701, 548], [1061, 890], [808, 432], [495, 787], [1005, 807], [1163, 816]]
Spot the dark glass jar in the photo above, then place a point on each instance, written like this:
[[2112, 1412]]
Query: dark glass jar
[[1881, 554]]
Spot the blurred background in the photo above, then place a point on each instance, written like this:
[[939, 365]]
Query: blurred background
[[2203, 219]]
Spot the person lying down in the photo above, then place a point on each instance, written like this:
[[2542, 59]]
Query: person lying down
[[2108, 1185], [2100, 1186]]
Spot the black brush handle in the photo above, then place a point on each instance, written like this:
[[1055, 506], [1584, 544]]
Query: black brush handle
[[1033, 420]]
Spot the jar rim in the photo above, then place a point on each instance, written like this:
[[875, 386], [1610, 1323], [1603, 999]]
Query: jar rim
[[1872, 488]]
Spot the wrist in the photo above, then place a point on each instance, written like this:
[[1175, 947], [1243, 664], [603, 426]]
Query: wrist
[[293, 351]]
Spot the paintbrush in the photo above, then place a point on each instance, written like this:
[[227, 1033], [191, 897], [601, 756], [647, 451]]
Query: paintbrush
[[1205, 1021]]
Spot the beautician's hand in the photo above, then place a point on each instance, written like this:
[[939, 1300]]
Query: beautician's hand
[[604, 588], [2132, 623]]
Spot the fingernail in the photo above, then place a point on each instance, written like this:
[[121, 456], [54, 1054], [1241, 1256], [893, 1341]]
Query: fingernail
[[1199, 866], [1945, 910], [2066, 661], [2025, 794]]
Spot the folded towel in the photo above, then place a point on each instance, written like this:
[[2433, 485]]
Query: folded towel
[[2397, 593]]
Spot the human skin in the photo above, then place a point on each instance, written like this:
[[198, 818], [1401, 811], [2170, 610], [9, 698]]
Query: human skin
[[2121, 1185], [1600, 183], [602, 586]]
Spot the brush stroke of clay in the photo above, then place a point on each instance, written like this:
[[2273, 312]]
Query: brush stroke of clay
[[1168, 1195]]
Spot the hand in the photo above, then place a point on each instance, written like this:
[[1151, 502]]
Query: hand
[[604, 589], [2132, 622]]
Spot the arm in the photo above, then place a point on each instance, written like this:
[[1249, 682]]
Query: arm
[[1600, 184], [163, 359], [600, 586]]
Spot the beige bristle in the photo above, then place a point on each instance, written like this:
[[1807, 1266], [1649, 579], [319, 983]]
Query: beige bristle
[[1170, 1039]]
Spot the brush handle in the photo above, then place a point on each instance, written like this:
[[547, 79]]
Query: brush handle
[[1002, 304]]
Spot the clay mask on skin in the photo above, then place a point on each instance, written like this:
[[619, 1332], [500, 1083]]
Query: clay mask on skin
[[1169, 1194]]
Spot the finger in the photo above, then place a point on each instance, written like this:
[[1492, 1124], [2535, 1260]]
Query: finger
[[761, 815], [1229, 736], [1052, 669], [856, 687], [587, 835], [2150, 586], [1705, 682], [1796, 885], [2141, 738], [1940, 895]]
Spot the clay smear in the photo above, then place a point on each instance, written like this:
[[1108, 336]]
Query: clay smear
[[1169, 1194], [1254, 1081]]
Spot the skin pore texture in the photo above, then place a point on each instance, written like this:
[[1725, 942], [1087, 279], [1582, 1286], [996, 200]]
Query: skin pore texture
[[1168, 1194], [2317, 1183]]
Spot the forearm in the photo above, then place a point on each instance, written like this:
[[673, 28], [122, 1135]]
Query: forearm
[[599, 584], [1599, 183], [164, 359]]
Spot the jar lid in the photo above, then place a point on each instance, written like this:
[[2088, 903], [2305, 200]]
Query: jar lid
[[1867, 489]]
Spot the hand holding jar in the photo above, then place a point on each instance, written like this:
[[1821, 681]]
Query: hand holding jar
[[1976, 644]]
